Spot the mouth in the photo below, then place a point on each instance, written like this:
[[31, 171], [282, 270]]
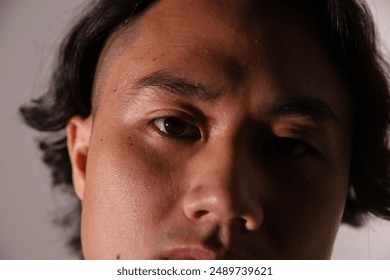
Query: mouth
[[191, 254]]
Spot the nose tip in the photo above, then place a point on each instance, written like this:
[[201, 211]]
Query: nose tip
[[219, 205]]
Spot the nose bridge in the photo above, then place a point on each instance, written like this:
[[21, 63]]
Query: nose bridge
[[221, 163], [220, 185]]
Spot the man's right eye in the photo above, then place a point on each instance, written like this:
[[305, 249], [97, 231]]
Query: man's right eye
[[175, 127]]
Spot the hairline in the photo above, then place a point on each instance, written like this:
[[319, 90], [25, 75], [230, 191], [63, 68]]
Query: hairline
[[116, 44]]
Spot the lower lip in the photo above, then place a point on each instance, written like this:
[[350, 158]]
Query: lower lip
[[191, 254]]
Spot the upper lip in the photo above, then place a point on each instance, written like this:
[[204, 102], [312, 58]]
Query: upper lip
[[189, 253]]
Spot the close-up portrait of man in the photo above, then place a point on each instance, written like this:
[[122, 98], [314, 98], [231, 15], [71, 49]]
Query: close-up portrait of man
[[216, 129]]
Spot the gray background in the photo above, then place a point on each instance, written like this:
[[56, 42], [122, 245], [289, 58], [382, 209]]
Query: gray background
[[30, 31]]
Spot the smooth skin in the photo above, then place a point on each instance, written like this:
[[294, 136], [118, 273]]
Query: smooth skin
[[221, 130]]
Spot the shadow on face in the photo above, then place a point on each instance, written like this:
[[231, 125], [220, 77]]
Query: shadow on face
[[222, 132]]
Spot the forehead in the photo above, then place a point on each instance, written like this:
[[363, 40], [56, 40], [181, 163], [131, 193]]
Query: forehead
[[229, 44], [233, 33], [231, 17], [238, 25]]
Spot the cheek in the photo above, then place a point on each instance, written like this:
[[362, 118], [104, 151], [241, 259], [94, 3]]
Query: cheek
[[129, 193], [305, 209]]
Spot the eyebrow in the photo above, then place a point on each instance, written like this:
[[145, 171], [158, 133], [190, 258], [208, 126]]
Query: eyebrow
[[176, 85], [314, 108], [310, 107]]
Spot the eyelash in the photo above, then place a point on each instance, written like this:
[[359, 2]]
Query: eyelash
[[276, 145]]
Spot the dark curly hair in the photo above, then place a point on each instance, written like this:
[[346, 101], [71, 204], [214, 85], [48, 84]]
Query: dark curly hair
[[348, 29]]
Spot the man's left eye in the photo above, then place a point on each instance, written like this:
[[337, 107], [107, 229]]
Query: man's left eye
[[287, 146], [175, 127]]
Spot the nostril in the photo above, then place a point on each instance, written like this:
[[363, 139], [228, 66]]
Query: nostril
[[200, 213], [239, 222], [242, 222]]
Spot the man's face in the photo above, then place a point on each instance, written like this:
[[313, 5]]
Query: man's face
[[222, 131]]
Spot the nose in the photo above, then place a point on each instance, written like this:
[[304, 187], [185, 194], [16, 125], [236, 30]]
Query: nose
[[223, 189]]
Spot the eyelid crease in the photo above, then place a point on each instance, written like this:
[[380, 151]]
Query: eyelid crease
[[306, 107], [313, 140], [176, 85]]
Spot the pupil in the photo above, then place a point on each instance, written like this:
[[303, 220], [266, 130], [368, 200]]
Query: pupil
[[174, 126], [284, 145]]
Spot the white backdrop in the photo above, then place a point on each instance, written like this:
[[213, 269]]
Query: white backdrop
[[30, 31]]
